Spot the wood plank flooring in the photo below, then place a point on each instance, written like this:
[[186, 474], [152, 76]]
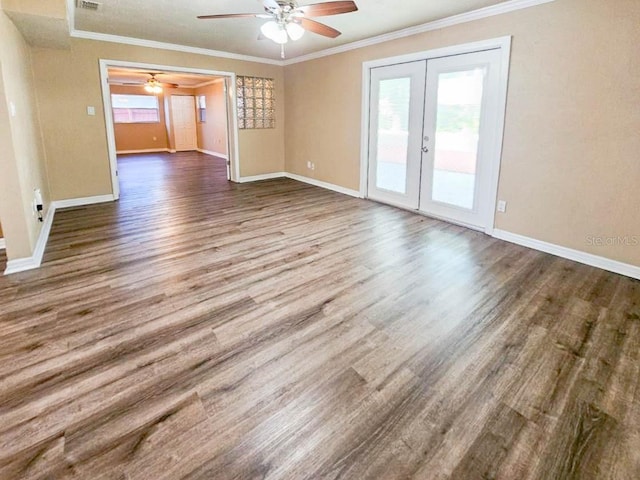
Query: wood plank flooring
[[199, 329]]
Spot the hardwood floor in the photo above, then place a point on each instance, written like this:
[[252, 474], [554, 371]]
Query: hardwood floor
[[200, 329]]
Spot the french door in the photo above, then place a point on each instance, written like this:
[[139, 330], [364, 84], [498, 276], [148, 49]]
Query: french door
[[433, 136]]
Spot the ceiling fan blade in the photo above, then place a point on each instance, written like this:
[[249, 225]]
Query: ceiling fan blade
[[232, 15], [328, 8], [319, 28]]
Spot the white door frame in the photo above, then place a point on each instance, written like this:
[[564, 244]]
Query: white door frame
[[502, 43], [232, 129]]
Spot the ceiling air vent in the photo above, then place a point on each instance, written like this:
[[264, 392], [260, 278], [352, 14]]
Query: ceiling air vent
[[87, 4]]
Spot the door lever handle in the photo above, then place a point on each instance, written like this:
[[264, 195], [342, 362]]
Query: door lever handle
[[425, 149]]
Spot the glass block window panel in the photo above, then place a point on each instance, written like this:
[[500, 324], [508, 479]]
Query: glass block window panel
[[256, 105]]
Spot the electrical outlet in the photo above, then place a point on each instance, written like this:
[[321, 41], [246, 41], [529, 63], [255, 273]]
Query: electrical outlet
[[313, 166], [309, 165], [155, 138], [502, 206], [91, 110]]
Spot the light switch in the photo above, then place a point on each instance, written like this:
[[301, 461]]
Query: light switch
[[502, 206], [12, 109], [91, 110]]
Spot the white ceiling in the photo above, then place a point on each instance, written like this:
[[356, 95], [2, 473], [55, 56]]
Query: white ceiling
[[140, 76], [175, 22]]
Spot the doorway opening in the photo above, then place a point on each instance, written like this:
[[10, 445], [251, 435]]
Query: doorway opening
[[164, 110], [432, 131]]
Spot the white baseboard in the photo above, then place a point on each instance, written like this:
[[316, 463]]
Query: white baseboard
[[34, 261], [3, 244], [79, 202], [614, 266], [300, 178], [215, 154], [264, 176], [328, 186], [148, 150]]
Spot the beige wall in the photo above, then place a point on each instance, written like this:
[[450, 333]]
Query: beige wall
[[212, 134], [22, 162], [68, 81], [140, 136], [570, 166]]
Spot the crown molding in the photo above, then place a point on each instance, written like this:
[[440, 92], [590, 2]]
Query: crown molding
[[208, 82], [139, 42], [499, 9]]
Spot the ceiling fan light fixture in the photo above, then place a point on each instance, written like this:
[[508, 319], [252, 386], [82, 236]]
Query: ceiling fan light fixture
[[153, 86], [295, 31], [274, 31]]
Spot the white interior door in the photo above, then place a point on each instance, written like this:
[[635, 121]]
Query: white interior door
[[395, 133], [183, 112], [460, 138]]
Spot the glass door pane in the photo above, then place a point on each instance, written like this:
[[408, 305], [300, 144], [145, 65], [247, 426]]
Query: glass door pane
[[456, 139], [393, 134]]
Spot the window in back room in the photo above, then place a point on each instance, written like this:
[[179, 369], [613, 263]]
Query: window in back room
[[135, 108]]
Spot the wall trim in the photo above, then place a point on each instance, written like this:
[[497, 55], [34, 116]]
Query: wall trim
[[215, 154], [264, 176], [499, 9], [326, 185], [79, 202], [34, 261], [3, 244], [303, 179], [208, 82], [614, 266], [140, 42], [146, 150]]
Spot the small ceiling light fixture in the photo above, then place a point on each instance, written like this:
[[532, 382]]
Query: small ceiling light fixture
[[153, 85]]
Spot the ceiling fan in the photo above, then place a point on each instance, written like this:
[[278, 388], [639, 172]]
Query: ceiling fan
[[288, 20], [152, 85]]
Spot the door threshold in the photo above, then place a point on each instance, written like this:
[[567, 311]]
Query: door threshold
[[434, 217]]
